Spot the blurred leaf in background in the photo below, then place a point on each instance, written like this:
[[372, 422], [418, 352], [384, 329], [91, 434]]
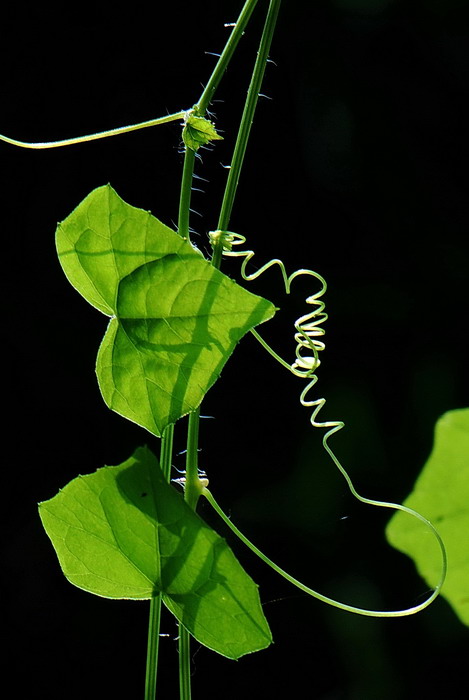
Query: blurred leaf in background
[[441, 493]]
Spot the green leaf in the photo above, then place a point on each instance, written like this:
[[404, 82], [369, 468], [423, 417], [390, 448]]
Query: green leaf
[[123, 532], [199, 131], [176, 319], [104, 240], [441, 494]]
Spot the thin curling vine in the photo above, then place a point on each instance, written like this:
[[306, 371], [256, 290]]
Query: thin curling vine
[[307, 331], [174, 321]]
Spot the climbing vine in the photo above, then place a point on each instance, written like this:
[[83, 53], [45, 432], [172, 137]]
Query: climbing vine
[[175, 320]]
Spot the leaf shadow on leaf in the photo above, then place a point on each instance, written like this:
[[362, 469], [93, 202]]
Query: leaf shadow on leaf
[[194, 345], [202, 338], [175, 319], [201, 581], [186, 606]]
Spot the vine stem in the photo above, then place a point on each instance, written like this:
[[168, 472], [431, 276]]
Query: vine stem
[[245, 126], [186, 191], [191, 495], [166, 453], [94, 137], [153, 647], [193, 485], [320, 596], [183, 230], [225, 57]]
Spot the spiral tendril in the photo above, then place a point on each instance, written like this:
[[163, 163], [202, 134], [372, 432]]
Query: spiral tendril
[[308, 331], [308, 327]]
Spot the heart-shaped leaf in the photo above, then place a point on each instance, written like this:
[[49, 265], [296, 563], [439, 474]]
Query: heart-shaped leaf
[[176, 319], [124, 532]]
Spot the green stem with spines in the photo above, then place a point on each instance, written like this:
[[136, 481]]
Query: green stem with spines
[[245, 126], [193, 486], [166, 452], [192, 490], [186, 192], [183, 230], [225, 57], [153, 647], [184, 664]]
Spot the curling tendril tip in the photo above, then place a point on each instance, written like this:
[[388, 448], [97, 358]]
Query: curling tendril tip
[[308, 334]]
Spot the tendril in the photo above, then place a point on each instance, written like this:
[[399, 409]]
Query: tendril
[[94, 137], [308, 331]]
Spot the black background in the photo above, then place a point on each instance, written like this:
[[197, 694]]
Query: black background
[[357, 168]]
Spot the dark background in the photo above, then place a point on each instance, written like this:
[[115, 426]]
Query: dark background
[[357, 168]]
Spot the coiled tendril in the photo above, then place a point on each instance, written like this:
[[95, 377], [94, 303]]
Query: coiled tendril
[[308, 331]]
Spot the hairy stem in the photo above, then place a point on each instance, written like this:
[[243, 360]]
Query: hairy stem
[[193, 485], [166, 452], [183, 230], [153, 647], [165, 462], [186, 191], [245, 126], [192, 490], [225, 57], [184, 664]]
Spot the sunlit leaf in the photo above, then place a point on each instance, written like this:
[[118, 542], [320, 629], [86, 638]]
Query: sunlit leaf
[[104, 240], [123, 532], [176, 319], [441, 493]]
